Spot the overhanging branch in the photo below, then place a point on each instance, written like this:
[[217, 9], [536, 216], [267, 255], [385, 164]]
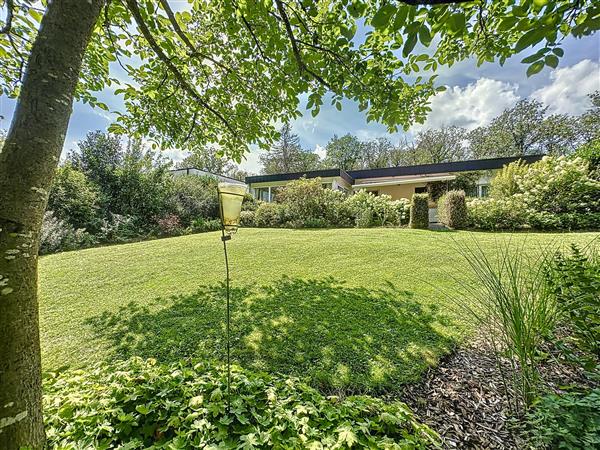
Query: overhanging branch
[[9, 17], [133, 7], [302, 67]]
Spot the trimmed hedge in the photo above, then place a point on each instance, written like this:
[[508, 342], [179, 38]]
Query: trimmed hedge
[[419, 211], [140, 404], [452, 210]]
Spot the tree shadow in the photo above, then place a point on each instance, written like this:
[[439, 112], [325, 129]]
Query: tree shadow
[[343, 339]]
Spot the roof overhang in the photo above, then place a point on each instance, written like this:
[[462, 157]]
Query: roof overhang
[[408, 180]]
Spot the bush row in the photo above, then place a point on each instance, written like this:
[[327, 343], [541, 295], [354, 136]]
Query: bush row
[[305, 203], [141, 206], [554, 193]]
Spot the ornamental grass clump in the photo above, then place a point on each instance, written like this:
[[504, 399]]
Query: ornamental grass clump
[[507, 295], [138, 404]]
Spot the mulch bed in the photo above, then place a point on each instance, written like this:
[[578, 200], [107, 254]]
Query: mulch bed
[[463, 397]]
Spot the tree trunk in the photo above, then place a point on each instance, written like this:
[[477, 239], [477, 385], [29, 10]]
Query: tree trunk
[[27, 163]]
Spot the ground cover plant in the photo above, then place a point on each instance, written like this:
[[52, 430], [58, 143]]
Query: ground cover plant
[[140, 404], [357, 310]]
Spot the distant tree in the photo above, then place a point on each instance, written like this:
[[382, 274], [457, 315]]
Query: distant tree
[[239, 174], [286, 155], [441, 145], [589, 122], [517, 131], [526, 129], [98, 157], [404, 154], [344, 152], [207, 158], [377, 153]]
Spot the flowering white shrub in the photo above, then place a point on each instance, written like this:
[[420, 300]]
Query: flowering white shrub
[[554, 193], [57, 235]]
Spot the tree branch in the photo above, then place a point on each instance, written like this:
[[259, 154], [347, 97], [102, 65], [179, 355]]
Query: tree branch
[[435, 2], [133, 7], [302, 67], [255, 39], [9, 17]]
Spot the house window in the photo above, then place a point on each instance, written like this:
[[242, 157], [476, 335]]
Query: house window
[[484, 190], [262, 194], [375, 193], [421, 190]]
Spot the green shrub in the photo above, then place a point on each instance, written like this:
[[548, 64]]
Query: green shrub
[[559, 185], [202, 225], [193, 197], [497, 214], [505, 183], [419, 211], [364, 218], [140, 404], [570, 421], [383, 210], [74, 199], [269, 215], [553, 193], [574, 280], [247, 218], [59, 236], [452, 210], [249, 203]]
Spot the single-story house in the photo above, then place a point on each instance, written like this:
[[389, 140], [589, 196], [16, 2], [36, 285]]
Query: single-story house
[[398, 182], [203, 173]]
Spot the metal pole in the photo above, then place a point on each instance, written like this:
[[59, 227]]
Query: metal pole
[[225, 238]]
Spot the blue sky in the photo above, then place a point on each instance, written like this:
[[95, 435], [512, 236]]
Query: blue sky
[[474, 96]]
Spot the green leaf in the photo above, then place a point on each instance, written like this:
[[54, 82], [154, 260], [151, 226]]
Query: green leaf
[[347, 436], [142, 409], [383, 16], [536, 67], [424, 35], [558, 52], [457, 22], [551, 60], [530, 38], [410, 45], [532, 58]]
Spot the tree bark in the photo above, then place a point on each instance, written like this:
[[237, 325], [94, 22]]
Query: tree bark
[[27, 163]]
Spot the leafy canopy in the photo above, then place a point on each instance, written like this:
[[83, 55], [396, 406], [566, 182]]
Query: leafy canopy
[[225, 72]]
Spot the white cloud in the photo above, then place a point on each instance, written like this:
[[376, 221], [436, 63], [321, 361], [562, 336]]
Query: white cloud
[[320, 151], [250, 162], [471, 106], [175, 154], [567, 93]]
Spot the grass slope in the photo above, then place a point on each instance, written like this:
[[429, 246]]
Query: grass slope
[[356, 310]]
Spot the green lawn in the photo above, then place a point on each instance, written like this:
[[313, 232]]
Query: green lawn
[[355, 309]]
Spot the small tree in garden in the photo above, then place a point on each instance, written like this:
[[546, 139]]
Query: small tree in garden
[[452, 209], [419, 211]]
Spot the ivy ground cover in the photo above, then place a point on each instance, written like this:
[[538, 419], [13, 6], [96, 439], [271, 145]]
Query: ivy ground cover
[[351, 311]]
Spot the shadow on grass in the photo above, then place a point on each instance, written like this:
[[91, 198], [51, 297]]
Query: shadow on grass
[[343, 339]]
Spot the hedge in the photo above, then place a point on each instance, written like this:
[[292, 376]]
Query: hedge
[[452, 210], [419, 211]]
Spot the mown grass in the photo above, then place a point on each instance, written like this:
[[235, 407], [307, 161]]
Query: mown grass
[[356, 310]]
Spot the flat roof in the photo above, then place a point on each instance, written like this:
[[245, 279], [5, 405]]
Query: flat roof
[[325, 173], [206, 172], [421, 169]]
